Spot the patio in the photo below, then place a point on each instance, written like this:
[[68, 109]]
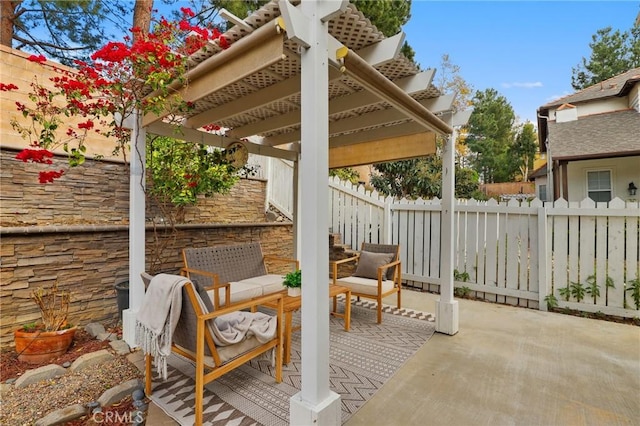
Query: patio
[[509, 365]]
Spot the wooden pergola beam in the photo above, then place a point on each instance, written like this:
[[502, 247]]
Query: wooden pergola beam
[[239, 61], [219, 141], [380, 151]]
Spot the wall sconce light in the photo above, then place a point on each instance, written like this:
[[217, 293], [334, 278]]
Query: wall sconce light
[[632, 189]]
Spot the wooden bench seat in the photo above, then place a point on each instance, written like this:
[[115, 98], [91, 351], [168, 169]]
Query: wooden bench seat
[[239, 270]]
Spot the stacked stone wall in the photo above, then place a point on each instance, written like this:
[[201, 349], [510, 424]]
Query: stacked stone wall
[[76, 231]]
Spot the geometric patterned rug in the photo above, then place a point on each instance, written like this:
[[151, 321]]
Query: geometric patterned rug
[[361, 361]]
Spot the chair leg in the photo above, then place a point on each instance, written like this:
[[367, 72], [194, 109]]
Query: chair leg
[[279, 361], [199, 401], [399, 298], [379, 310], [147, 374]]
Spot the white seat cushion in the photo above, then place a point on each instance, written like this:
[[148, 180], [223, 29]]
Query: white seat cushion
[[364, 285], [270, 283], [227, 353], [240, 291]]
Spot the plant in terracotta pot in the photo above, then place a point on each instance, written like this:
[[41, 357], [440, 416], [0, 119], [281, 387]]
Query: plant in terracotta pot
[[293, 282], [38, 343]]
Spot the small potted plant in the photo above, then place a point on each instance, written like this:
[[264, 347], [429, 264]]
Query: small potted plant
[[39, 343], [293, 282]]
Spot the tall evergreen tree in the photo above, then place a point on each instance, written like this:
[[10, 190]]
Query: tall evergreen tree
[[491, 136], [523, 151], [62, 30], [612, 53]]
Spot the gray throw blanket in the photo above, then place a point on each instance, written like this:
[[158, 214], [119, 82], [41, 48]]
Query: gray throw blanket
[[237, 326], [158, 318]]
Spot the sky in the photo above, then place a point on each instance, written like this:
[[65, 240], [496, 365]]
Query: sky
[[525, 50]]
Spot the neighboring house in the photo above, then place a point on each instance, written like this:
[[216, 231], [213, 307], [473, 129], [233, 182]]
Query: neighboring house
[[592, 139]]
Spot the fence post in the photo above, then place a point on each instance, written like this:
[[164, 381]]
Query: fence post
[[544, 273], [386, 222]]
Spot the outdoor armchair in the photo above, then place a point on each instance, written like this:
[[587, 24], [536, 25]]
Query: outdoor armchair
[[203, 335], [377, 274]]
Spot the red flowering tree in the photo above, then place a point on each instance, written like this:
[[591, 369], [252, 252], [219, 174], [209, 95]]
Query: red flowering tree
[[103, 93]]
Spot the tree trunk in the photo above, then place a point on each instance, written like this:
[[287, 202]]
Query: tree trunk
[[7, 15], [142, 15]]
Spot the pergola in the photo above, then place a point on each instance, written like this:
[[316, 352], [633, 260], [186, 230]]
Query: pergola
[[317, 84]]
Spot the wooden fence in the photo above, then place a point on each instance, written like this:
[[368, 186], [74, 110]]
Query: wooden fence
[[512, 252]]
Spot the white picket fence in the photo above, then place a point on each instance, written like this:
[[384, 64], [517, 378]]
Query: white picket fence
[[279, 176], [514, 252]]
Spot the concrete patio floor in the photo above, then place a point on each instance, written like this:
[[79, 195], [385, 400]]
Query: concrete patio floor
[[509, 366]]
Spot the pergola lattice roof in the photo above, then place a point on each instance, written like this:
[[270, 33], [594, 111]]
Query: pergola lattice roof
[[252, 89]]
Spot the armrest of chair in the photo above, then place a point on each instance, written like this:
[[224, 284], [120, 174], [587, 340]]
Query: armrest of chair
[[383, 269], [215, 279], [334, 265], [275, 297], [215, 287], [295, 262]]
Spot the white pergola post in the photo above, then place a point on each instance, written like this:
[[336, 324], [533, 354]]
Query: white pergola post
[[297, 226], [315, 404], [446, 306], [136, 230]]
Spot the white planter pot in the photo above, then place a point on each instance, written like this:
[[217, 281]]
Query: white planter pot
[[294, 291]]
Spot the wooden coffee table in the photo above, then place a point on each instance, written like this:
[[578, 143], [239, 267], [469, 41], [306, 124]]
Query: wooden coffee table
[[293, 303]]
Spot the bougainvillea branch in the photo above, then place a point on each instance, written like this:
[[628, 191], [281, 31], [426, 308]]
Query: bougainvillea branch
[[102, 93]]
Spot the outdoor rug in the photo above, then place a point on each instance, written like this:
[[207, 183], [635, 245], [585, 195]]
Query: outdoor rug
[[361, 361]]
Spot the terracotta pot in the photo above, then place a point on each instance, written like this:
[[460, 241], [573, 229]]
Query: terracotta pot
[[36, 347]]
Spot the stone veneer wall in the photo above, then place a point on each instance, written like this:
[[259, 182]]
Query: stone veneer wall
[[98, 193], [75, 230]]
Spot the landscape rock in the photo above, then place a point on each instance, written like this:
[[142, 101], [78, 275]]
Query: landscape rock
[[38, 374], [94, 328], [120, 346], [138, 395], [62, 415], [106, 336], [117, 393], [88, 360], [93, 404]]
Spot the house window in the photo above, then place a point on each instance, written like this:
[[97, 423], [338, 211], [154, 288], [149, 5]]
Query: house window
[[542, 192], [599, 185]]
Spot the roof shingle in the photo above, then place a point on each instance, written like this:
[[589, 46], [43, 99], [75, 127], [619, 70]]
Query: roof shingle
[[608, 88], [618, 131]]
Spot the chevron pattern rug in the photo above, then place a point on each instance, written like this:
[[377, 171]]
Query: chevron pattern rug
[[361, 361]]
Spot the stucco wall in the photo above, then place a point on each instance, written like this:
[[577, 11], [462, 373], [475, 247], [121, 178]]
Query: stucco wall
[[623, 170], [18, 70]]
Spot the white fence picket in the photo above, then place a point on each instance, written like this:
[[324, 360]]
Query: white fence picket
[[435, 254], [512, 249], [632, 265], [471, 264], [616, 256], [601, 269], [559, 248], [574, 245], [587, 238]]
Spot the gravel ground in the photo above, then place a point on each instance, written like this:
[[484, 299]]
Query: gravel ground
[[26, 405]]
